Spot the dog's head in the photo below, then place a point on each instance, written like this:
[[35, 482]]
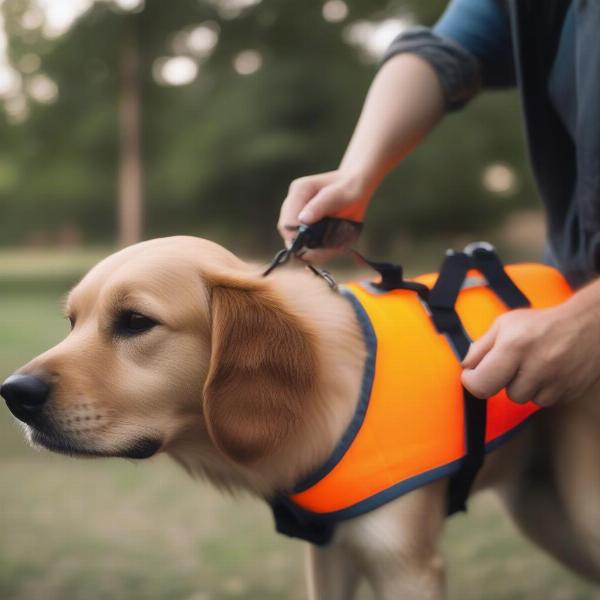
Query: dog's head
[[169, 338]]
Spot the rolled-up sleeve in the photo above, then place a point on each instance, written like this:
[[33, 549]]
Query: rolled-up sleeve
[[469, 48]]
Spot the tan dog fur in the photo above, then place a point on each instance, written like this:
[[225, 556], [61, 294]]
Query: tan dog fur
[[250, 382]]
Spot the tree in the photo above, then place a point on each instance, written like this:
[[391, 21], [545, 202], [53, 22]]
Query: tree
[[275, 98]]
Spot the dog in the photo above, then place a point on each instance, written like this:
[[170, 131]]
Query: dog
[[178, 346]]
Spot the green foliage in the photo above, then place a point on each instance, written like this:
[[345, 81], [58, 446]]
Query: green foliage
[[220, 152]]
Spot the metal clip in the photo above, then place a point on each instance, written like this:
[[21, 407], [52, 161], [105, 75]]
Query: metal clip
[[279, 259], [327, 233], [326, 275]]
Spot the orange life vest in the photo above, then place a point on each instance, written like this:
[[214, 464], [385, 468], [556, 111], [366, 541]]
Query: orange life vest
[[409, 426]]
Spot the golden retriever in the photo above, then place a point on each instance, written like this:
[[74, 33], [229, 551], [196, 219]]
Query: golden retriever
[[178, 346]]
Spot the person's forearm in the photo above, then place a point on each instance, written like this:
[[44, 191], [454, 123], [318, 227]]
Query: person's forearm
[[404, 102]]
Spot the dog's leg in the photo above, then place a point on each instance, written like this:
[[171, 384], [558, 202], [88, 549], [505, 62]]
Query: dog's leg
[[577, 459], [331, 573], [538, 511], [396, 545], [408, 577], [555, 501]]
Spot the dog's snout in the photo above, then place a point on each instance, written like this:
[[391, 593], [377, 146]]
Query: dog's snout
[[25, 395]]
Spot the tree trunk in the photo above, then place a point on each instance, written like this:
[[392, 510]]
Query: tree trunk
[[130, 160]]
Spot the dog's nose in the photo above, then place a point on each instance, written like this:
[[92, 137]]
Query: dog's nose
[[25, 394]]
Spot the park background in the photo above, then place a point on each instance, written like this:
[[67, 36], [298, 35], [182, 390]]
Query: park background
[[124, 120]]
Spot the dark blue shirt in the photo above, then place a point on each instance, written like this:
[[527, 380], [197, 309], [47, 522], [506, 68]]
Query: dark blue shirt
[[549, 49], [481, 27], [562, 86]]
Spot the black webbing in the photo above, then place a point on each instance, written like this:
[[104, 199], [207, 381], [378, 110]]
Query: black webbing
[[292, 521], [441, 302], [491, 267], [392, 276], [442, 298], [475, 426]]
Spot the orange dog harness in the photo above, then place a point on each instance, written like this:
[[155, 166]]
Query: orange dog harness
[[414, 423]]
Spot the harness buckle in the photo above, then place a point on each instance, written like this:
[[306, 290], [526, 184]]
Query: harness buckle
[[327, 233], [471, 248]]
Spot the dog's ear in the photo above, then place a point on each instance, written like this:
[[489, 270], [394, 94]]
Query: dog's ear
[[261, 372]]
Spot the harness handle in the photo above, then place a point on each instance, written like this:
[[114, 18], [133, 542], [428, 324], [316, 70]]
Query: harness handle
[[326, 233]]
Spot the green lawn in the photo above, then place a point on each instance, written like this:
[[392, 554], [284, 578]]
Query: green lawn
[[92, 529]]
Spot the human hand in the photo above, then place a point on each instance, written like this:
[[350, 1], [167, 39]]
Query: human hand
[[314, 197], [542, 355]]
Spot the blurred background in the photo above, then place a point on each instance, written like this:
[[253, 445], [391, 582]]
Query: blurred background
[[122, 120]]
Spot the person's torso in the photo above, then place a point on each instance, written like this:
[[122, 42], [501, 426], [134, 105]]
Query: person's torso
[[557, 57]]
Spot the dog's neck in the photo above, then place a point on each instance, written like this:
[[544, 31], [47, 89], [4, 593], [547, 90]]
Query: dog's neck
[[341, 355]]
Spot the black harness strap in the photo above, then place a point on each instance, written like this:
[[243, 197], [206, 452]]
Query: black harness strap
[[392, 276], [491, 267], [294, 522], [442, 298], [441, 303]]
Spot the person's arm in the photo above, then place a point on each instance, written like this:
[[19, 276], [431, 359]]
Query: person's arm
[[423, 75], [404, 102]]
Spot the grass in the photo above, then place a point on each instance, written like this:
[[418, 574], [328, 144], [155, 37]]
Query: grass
[[110, 529]]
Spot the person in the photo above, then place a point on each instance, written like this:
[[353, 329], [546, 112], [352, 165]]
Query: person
[[549, 50]]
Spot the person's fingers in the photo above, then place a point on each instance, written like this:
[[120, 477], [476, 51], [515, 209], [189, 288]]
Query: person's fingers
[[479, 348], [495, 370], [288, 217], [523, 388], [320, 206], [300, 192], [327, 203], [547, 396]]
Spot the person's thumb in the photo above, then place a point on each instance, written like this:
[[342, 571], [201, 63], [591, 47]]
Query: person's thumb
[[326, 203]]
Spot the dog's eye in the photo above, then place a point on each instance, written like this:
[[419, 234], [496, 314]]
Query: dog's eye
[[131, 323]]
